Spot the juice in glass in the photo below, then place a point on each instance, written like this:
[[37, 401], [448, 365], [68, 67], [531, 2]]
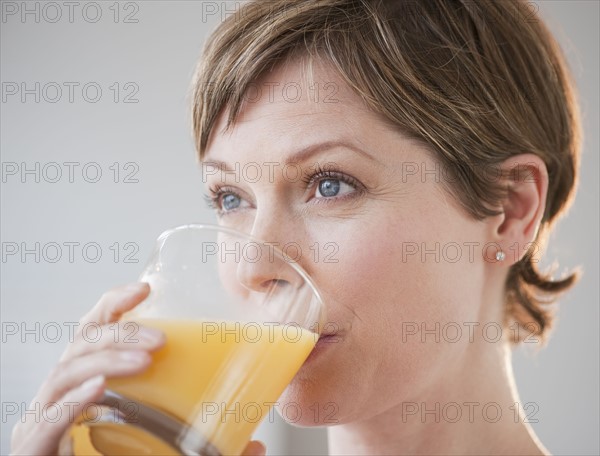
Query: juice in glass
[[219, 377]]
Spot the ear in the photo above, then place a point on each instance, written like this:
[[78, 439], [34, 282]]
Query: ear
[[527, 179]]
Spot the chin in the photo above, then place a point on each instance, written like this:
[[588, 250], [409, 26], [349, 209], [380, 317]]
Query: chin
[[311, 400]]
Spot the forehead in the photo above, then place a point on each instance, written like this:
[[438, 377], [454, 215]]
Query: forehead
[[292, 106]]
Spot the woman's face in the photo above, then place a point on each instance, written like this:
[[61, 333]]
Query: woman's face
[[391, 252]]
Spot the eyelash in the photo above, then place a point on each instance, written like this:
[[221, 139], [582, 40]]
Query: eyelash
[[215, 192], [321, 174], [214, 195]]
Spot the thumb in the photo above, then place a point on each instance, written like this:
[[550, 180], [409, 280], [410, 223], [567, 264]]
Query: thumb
[[255, 448]]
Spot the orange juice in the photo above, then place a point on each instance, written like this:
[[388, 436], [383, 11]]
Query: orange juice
[[220, 377]]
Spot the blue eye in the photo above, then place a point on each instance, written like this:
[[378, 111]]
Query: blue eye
[[329, 187], [225, 200], [332, 187], [230, 202]]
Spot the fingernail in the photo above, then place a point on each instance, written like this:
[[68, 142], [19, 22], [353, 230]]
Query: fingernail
[[135, 287], [150, 335], [134, 356], [92, 383]]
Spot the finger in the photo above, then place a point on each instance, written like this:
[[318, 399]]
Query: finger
[[255, 448], [116, 336], [71, 373], [115, 303], [43, 437]]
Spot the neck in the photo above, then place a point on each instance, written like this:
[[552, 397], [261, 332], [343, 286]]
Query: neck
[[479, 413]]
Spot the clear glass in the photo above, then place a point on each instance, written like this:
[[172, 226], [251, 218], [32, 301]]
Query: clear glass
[[240, 319]]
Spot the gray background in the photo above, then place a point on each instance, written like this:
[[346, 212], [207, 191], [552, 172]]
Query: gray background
[[158, 54]]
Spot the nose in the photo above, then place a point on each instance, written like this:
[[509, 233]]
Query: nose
[[277, 289], [270, 284], [262, 268], [266, 265]]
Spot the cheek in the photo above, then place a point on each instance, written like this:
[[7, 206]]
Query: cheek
[[390, 275], [386, 292]]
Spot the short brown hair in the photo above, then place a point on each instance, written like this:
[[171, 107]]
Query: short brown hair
[[477, 81]]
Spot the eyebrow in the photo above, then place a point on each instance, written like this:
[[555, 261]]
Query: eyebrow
[[303, 154]]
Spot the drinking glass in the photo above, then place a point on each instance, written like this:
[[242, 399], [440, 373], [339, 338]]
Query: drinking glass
[[240, 319]]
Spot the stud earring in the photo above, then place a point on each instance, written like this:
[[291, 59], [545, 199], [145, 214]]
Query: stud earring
[[500, 255]]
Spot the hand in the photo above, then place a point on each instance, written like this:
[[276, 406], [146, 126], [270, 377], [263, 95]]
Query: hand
[[255, 448], [80, 375]]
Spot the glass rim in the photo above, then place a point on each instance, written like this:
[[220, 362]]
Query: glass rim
[[212, 227]]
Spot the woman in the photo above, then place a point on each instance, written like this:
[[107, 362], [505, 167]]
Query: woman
[[432, 145]]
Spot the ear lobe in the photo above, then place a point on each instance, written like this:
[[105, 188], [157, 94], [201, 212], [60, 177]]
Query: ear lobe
[[523, 208]]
